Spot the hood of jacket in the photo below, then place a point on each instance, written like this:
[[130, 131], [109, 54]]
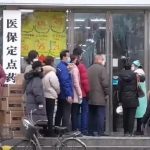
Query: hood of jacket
[[30, 75], [47, 69], [127, 75]]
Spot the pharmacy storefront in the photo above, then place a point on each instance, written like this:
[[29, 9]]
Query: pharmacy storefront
[[120, 30]]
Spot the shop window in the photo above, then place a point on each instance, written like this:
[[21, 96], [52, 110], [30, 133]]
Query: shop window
[[90, 34], [128, 36], [43, 31]]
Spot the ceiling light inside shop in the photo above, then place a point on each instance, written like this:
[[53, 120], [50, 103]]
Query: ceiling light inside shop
[[98, 20], [76, 27], [79, 20], [102, 28]]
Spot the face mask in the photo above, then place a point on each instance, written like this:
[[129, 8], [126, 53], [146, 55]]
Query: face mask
[[103, 63], [68, 59], [133, 68]]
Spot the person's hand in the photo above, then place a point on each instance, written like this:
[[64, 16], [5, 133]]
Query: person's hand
[[80, 100], [41, 106], [106, 97], [120, 104], [69, 100]]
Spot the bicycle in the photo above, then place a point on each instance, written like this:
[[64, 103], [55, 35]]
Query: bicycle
[[65, 141], [5, 146]]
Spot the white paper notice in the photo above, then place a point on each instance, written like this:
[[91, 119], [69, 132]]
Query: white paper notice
[[115, 62]]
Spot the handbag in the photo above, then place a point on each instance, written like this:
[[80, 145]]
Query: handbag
[[140, 91]]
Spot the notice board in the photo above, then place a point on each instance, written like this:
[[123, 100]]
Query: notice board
[[44, 32]]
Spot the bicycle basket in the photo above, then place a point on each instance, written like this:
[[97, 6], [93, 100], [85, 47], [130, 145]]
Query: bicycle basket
[[28, 128]]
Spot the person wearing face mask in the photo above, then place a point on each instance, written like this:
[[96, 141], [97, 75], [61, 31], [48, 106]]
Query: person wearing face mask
[[51, 90], [141, 109], [77, 94], [99, 91], [34, 92], [66, 91], [85, 87]]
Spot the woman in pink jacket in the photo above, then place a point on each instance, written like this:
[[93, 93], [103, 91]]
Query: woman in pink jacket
[[77, 93]]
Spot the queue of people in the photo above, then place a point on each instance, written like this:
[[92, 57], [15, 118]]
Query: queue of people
[[81, 93]]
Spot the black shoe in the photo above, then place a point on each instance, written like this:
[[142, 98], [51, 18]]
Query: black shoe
[[126, 134], [138, 133], [93, 134]]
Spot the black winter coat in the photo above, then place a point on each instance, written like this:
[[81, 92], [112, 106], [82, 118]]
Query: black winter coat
[[128, 89]]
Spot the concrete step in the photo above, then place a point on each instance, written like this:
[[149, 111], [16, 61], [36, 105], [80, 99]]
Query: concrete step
[[100, 143]]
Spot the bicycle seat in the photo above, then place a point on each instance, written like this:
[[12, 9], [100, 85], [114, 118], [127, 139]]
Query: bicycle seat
[[41, 123], [60, 130]]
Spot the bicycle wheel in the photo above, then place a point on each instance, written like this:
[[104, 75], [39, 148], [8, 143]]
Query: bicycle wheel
[[73, 144], [24, 145]]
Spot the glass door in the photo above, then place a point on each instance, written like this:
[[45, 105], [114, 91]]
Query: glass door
[[90, 34], [92, 31], [128, 45]]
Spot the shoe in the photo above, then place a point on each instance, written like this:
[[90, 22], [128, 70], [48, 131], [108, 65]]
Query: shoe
[[138, 133], [85, 133], [104, 134], [93, 134], [126, 134]]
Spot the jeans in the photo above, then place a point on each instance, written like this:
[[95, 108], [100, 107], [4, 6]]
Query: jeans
[[84, 116], [63, 113], [74, 116], [50, 104], [96, 119]]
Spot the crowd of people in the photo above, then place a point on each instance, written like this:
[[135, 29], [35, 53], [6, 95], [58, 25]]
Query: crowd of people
[[81, 93]]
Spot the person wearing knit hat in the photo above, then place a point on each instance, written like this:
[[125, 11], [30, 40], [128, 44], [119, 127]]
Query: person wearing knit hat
[[137, 63], [36, 64], [141, 109]]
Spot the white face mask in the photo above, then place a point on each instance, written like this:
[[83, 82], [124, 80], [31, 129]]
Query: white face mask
[[68, 59], [133, 68], [103, 63]]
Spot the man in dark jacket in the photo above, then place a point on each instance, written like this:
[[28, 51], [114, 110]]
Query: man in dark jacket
[[99, 90], [128, 97], [66, 91]]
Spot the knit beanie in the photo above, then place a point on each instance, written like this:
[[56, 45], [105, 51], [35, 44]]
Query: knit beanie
[[137, 63], [36, 64]]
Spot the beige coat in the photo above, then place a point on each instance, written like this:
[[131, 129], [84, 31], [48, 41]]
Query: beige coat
[[99, 85], [50, 81]]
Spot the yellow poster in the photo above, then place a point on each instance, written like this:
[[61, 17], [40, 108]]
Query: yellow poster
[[44, 32]]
